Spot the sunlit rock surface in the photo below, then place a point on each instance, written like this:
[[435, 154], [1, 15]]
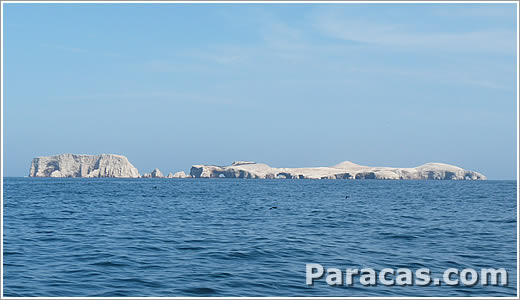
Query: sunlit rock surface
[[344, 170], [112, 165], [156, 173], [83, 165], [180, 174]]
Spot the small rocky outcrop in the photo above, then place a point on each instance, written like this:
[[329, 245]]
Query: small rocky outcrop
[[180, 174], [156, 173], [83, 165]]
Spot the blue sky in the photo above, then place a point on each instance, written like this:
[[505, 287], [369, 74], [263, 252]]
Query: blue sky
[[171, 85]]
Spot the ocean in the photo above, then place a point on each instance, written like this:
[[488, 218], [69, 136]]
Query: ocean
[[245, 237]]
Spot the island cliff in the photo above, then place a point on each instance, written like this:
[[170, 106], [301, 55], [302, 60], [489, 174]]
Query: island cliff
[[112, 165], [82, 165], [344, 170]]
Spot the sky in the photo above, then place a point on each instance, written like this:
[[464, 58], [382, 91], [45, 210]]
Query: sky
[[170, 85]]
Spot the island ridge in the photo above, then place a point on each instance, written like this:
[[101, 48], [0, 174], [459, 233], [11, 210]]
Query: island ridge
[[118, 166]]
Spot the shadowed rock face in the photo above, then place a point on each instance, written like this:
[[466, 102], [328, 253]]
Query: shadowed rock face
[[82, 165], [344, 170], [156, 173]]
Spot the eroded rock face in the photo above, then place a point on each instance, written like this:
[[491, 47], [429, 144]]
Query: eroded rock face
[[156, 173], [344, 170], [112, 165], [82, 165], [180, 174]]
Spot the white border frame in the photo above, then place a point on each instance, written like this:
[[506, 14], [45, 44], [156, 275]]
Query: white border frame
[[259, 2]]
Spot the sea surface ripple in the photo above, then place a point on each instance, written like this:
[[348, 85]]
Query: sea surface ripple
[[222, 237]]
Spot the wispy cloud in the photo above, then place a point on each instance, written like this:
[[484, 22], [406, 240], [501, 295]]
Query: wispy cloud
[[136, 95], [497, 10], [85, 51], [406, 36], [488, 84], [279, 34], [65, 48], [222, 55], [288, 44], [438, 75], [168, 66]]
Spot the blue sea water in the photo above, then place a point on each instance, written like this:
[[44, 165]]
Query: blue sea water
[[221, 237]]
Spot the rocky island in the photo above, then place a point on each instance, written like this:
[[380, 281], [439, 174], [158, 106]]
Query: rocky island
[[344, 170], [112, 165], [83, 165]]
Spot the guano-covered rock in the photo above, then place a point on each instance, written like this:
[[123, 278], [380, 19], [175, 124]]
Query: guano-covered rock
[[83, 165]]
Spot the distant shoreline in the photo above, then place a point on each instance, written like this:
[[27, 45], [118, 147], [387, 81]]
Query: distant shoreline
[[118, 166], [239, 179]]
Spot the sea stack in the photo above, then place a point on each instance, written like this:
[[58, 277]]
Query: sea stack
[[156, 173], [83, 165]]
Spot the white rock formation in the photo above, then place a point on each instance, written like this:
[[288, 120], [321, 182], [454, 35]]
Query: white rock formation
[[180, 174], [156, 173], [344, 170], [170, 175], [112, 165], [82, 165]]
